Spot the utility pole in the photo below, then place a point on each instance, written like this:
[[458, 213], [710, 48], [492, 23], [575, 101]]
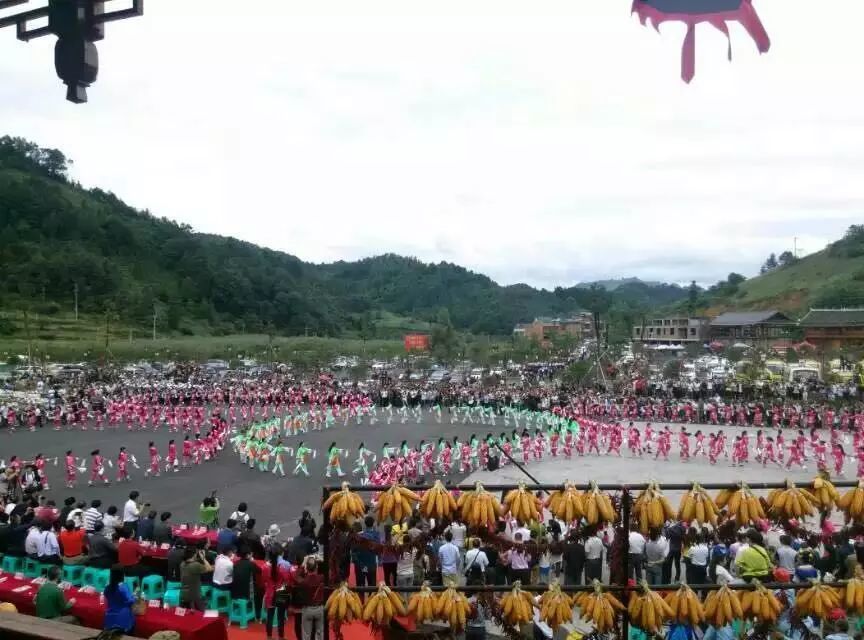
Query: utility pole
[[29, 340], [107, 333], [795, 246], [75, 293], [154, 320]]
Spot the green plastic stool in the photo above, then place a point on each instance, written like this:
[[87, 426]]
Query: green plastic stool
[[73, 574], [241, 612], [133, 582], [12, 564], [153, 587], [96, 578], [220, 601], [205, 591], [171, 598], [32, 568]]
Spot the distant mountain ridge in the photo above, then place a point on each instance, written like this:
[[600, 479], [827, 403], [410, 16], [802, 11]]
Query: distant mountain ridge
[[614, 283], [59, 237]]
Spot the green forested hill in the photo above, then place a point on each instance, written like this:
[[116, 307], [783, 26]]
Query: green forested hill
[[57, 235], [831, 278]]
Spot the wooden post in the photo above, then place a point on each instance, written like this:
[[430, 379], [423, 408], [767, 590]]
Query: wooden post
[[325, 493], [625, 517]]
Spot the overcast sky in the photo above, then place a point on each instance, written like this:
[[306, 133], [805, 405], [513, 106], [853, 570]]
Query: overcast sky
[[544, 142]]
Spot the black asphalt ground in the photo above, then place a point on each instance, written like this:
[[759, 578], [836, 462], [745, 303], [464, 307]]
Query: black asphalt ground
[[271, 499]]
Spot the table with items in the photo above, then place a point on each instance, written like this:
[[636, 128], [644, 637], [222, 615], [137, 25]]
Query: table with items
[[89, 609]]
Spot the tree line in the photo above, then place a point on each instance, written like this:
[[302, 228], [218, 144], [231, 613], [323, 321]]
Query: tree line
[[59, 238]]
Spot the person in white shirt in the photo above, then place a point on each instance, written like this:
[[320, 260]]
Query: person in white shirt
[[31, 543], [522, 530], [637, 554], [241, 517], [110, 522], [131, 512], [458, 529], [656, 552], [76, 515], [405, 568], [593, 558], [697, 569], [47, 546], [476, 563], [223, 572]]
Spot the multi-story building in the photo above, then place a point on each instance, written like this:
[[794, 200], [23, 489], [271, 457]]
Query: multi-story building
[[833, 328], [544, 330], [750, 326], [672, 330]]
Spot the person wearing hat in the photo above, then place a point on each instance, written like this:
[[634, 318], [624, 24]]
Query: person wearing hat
[[271, 539], [753, 561]]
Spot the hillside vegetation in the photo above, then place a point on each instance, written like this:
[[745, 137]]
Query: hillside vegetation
[[833, 277], [129, 266]]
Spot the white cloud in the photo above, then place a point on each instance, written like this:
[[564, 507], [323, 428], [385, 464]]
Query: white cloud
[[545, 143]]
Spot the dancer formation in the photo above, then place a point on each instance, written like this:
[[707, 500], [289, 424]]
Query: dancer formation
[[535, 435], [267, 434]]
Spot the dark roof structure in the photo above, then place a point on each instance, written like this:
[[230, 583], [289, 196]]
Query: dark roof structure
[[833, 318], [751, 318]]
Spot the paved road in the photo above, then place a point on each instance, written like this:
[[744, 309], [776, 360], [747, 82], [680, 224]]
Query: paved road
[[271, 499], [280, 500]]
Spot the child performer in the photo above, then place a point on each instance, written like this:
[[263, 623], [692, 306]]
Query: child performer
[[122, 465], [300, 458], [71, 470], [333, 464], [838, 454], [187, 451], [171, 459], [277, 451], [97, 468], [154, 461]]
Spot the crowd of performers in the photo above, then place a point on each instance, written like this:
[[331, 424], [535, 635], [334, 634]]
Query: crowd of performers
[[185, 407], [262, 421], [532, 436], [193, 450]]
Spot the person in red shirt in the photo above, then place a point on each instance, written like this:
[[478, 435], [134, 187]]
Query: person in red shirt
[[259, 586], [48, 512], [275, 578], [129, 554], [312, 612], [73, 543]]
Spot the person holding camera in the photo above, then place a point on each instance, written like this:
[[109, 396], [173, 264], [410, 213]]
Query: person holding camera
[[192, 568]]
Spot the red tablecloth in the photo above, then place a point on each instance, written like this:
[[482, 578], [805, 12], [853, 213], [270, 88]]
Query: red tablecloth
[[155, 552], [90, 611], [194, 536]]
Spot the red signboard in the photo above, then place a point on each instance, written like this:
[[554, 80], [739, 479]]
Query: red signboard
[[416, 342]]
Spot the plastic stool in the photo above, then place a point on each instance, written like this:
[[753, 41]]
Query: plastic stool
[[152, 587], [171, 598], [242, 611], [32, 568], [12, 564], [73, 574], [133, 582], [220, 601], [173, 586], [96, 578]]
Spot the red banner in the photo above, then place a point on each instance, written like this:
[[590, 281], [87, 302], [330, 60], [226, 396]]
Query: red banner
[[416, 342]]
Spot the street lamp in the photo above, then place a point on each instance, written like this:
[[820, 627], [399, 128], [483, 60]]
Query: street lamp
[[77, 25]]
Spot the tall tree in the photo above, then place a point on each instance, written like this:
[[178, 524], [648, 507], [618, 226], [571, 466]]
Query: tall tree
[[692, 297]]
